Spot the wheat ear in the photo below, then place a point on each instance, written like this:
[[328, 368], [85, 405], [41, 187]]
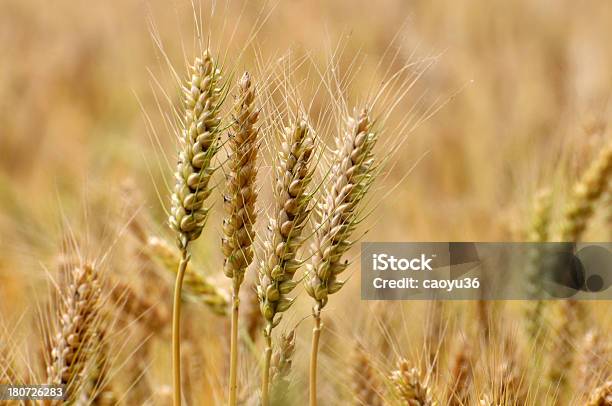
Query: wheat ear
[[602, 396], [199, 140], [511, 386], [461, 376], [152, 316], [539, 232], [563, 346], [240, 207], [281, 368], [352, 174], [97, 391], [593, 362], [365, 383], [72, 344], [410, 387], [285, 227], [587, 191]]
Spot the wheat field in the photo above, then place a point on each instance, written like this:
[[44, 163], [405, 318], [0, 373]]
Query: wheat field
[[184, 186]]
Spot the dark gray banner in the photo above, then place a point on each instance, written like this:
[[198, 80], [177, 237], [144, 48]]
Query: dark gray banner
[[486, 271]]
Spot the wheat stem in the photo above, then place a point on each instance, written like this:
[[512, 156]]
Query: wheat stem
[[314, 352], [233, 386], [176, 327], [265, 383]]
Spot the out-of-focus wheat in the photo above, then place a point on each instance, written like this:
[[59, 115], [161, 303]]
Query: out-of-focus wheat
[[96, 389], [76, 330], [594, 364], [539, 232], [602, 396], [410, 387], [562, 349], [591, 186], [461, 376], [364, 381], [197, 287], [152, 316]]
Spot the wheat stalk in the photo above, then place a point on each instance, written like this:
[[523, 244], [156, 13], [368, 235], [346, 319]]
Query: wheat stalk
[[280, 262], [351, 174], [240, 207], [199, 140], [72, 345]]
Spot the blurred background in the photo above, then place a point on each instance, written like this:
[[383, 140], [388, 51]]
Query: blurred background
[[521, 91]]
